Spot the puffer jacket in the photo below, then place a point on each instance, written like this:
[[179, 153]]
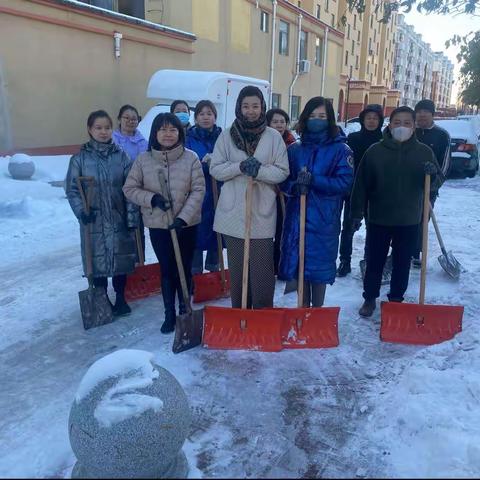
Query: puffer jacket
[[202, 142], [113, 246], [132, 145], [225, 167], [331, 164], [185, 185]]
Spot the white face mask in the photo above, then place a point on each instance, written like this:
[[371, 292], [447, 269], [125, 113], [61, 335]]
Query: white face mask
[[401, 134]]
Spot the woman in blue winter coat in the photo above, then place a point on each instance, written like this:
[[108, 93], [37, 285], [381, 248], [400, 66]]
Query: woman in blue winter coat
[[321, 166], [201, 139]]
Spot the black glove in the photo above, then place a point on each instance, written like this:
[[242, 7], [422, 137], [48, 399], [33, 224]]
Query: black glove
[[207, 159], [250, 167], [304, 178], [159, 201], [177, 224], [131, 229], [430, 168], [356, 224], [88, 218]]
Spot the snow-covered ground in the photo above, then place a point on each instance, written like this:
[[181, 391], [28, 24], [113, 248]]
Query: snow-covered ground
[[366, 408]]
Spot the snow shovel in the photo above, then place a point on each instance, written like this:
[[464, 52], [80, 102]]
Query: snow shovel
[[308, 327], [146, 279], [446, 260], [239, 328], [420, 324], [95, 308], [213, 285]]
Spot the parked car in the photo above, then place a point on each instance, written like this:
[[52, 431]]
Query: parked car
[[475, 119], [464, 147]]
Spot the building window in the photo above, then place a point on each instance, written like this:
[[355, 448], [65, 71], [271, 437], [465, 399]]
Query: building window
[[356, 63], [368, 67], [264, 21], [295, 111], [354, 22], [371, 21], [346, 58], [358, 36], [319, 8], [276, 100], [326, 5], [353, 47], [351, 71], [333, 20], [318, 51], [375, 35], [375, 69], [283, 34], [303, 45], [348, 31]]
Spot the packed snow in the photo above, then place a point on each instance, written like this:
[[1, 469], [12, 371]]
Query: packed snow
[[365, 408]]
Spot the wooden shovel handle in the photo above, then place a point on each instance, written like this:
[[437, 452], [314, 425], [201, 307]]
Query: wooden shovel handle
[[87, 237], [219, 238], [426, 211], [246, 247], [301, 253]]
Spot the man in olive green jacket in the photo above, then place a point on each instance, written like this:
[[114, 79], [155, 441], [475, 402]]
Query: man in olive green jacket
[[390, 182]]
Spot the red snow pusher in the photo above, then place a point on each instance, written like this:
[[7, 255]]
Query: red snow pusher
[[242, 328], [145, 280], [212, 285], [420, 324]]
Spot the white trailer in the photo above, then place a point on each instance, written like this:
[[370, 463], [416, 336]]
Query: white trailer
[[192, 86]]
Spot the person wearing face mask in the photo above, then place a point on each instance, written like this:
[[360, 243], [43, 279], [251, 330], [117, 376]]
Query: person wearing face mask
[[389, 189], [249, 148], [321, 167], [112, 219], [371, 120], [181, 110], [201, 139], [438, 140], [167, 160]]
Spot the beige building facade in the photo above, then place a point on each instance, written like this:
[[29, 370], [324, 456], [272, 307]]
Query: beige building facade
[[58, 63]]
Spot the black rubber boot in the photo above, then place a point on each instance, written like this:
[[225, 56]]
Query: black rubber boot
[[344, 269], [121, 307], [168, 293], [368, 307]]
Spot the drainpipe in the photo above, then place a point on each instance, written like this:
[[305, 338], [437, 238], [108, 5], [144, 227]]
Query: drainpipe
[[325, 50], [272, 60], [297, 67]]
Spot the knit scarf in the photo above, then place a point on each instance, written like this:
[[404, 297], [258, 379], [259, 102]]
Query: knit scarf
[[103, 149], [246, 135]]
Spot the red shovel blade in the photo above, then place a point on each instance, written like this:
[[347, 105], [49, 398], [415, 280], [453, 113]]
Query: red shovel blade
[[208, 286], [238, 329], [143, 282], [419, 324], [310, 327]]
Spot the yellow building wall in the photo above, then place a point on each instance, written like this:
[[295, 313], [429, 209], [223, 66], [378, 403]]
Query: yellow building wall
[[206, 19], [240, 25]]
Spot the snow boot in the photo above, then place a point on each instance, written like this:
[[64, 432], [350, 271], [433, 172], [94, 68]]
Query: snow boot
[[344, 268], [168, 294], [121, 307], [368, 307]]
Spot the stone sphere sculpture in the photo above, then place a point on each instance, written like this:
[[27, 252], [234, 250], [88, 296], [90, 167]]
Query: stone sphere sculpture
[[129, 419], [21, 166]]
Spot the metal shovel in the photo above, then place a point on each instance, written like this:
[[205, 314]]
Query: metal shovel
[[94, 305], [447, 261]]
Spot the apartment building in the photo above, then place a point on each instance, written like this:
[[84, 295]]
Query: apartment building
[[239, 36], [367, 61], [414, 61], [443, 80]]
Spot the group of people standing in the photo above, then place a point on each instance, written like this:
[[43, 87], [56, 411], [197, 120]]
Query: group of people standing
[[179, 170]]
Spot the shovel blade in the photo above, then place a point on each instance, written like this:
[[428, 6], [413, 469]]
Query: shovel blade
[[450, 264], [95, 308], [239, 329], [310, 327], [208, 286], [419, 324], [188, 331], [143, 282]]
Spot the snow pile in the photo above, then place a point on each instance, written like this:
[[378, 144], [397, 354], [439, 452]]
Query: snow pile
[[20, 158], [134, 370]]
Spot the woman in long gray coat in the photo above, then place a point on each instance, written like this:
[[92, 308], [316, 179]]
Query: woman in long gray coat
[[113, 219]]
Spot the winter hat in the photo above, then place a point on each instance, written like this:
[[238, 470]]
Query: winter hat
[[425, 105], [375, 108]]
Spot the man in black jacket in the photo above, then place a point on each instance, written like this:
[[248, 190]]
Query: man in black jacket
[[390, 184], [371, 120], [438, 140]]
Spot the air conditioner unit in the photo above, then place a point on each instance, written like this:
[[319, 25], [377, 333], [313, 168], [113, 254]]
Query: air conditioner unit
[[304, 66]]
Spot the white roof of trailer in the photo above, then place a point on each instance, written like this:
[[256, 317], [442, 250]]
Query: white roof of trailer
[[193, 85]]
